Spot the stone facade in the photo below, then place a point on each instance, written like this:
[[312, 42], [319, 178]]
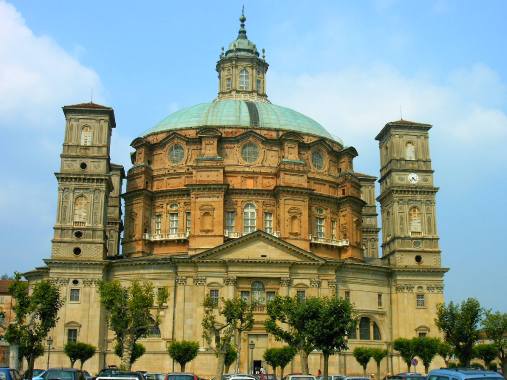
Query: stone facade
[[244, 211], [7, 315]]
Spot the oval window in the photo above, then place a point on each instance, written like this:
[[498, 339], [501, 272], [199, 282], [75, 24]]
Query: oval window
[[176, 153], [250, 152], [317, 160]]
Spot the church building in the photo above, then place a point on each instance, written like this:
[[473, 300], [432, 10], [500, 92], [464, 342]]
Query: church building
[[242, 197]]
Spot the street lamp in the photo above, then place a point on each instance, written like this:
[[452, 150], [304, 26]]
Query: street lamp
[[251, 346], [346, 339], [50, 342]]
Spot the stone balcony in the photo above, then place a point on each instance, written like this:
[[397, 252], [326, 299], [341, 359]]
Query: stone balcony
[[333, 242], [166, 237], [235, 235]]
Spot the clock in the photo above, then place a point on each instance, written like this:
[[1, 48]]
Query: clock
[[413, 178]]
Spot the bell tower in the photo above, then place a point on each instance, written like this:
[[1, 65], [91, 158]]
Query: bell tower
[[407, 196], [85, 182]]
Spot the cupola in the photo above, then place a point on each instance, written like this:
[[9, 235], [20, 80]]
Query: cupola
[[241, 71]]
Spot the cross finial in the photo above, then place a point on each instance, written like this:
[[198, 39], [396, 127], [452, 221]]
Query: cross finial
[[242, 19]]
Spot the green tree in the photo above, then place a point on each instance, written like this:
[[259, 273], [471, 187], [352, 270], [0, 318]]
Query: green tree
[[130, 314], [285, 356], [241, 312], [460, 325], [378, 354], [71, 349], [36, 313], [287, 321], [219, 326], [230, 356], [87, 352], [137, 351], [183, 352], [486, 352], [445, 352], [363, 356], [426, 348], [271, 357], [329, 322], [495, 327], [406, 349]]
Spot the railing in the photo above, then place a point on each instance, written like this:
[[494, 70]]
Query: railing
[[235, 235], [333, 242], [163, 237], [79, 224], [259, 308]]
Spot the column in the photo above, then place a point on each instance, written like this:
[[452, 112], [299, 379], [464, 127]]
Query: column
[[284, 286], [230, 283]]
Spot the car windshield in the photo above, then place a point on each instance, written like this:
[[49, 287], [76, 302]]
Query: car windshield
[[155, 376], [180, 377], [3, 375], [59, 374], [303, 378]]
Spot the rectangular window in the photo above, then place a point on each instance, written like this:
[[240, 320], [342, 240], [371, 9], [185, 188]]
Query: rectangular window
[[347, 295], [74, 295], [214, 295], [245, 295], [173, 223], [230, 220], [188, 222], [158, 224], [422, 334], [228, 83], [420, 300], [270, 296], [258, 85], [268, 222], [301, 295], [320, 230], [71, 335], [379, 300], [333, 229]]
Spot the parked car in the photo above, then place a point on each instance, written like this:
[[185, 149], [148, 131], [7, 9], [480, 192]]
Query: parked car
[[239, 376], [62, 374], [154, 376], [7, 373], [407, 376], [35, 373], [115, 372], [463, 374], [299, 377], [181, 376]]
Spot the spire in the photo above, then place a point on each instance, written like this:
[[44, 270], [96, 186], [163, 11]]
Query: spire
[[242, 30]]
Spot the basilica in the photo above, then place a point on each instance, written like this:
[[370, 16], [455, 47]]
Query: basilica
[[242, 197]]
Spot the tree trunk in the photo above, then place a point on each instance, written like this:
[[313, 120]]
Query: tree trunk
[[378, 371], [31, 361], [364, 371], [326, 366], [182, 366], [220, 365], [408, 366], [426, 367], [304, 362], [128, 344], [281, 375], [504, 367], [81, 366], [239, 352], [227, 368]]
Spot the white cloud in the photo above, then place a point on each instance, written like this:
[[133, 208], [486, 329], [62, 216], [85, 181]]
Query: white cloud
[[37, 75]]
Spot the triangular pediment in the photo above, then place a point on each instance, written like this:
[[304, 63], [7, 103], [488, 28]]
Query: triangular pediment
[[258, 246]]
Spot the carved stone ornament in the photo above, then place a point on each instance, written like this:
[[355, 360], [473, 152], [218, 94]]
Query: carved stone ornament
[[405, 288], [90, 282], [59, 281], [315, 282], [230, 281], [181, 280], [435, 288], [331, 284], [285, 281], [200, 280]]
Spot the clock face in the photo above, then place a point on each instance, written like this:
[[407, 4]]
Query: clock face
[[413, 178]]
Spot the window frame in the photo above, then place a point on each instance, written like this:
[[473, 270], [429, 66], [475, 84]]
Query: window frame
[[173, 223], [320, 227], [268, 222], [68, 338], [249, 218], [73, 290], [244, 79], [214, 294], [230, 221], [420, 297]]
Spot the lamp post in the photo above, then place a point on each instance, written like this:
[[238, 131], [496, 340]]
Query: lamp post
[[251, 346], [50, 342], [346, 339]]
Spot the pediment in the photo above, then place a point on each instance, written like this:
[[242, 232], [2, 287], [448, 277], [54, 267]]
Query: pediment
[[258, 246]]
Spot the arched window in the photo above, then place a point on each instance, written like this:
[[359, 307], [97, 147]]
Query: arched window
[[80, 210], [244, 81], [249, 218], [364, 328], [86, 136], [376, 332], [414, 221], [410, 151], [258, 293]]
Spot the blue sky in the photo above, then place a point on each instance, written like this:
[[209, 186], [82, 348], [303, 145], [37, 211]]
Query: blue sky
[[349, 65]]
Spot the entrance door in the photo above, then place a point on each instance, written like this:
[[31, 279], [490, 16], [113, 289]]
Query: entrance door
[[255, 355], [257, 366]]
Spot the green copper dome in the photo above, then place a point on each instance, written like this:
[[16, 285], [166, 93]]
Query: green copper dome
[[240, 113]]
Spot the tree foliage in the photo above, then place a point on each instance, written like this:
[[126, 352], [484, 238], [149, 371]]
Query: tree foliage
[[287, 321], [329, 322], [284, 356], [79, 351], [138, 350], [495, 328], [183, 352], [363, 356], [460, 326], [271, 357], [486, 352], [220, 323], [230, 356], [36, 313], [378, 354], [445, 351], [426, 349], [130, 314], [406, 349]]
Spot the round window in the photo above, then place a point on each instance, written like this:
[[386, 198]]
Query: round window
[[176, 154], [317, 160], [250, 152], [77, 251]]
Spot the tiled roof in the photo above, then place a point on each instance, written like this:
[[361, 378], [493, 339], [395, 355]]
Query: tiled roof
[[4, 286], [89, 105]]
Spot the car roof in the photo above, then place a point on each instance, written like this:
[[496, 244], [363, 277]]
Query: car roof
[[464, 372]]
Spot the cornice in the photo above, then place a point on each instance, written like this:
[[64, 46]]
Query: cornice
[[89, 263], [207, 187]]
